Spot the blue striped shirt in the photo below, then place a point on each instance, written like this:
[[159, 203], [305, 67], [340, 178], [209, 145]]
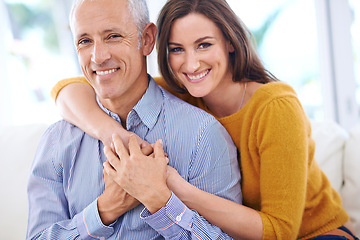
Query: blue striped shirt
[[67, 174]]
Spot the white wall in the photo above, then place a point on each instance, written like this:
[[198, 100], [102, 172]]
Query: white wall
[[5, 41]]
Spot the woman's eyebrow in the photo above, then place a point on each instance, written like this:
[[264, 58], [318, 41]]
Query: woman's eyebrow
[[196, 41]]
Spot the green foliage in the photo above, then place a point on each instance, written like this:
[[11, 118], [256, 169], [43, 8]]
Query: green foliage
[[25, 18], [259, 34]]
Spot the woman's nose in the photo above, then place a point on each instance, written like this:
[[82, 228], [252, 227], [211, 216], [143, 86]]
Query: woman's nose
[[192, 62]]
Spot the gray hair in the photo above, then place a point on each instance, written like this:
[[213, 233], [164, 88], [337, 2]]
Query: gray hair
[[137, 8]]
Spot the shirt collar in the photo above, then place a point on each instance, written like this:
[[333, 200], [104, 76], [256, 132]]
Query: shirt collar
[[146, 110]]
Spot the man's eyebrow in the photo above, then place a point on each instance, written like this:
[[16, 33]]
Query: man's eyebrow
[[197, 40], [105, 31], [81, 35], [111, 30]]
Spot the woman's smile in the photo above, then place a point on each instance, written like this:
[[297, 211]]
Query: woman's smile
[[198, 76]]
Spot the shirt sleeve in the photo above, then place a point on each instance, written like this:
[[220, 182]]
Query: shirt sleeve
[[63, 83], [214, 169], [49, 214]]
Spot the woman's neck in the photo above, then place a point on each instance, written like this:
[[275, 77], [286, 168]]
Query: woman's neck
[[227, 100]]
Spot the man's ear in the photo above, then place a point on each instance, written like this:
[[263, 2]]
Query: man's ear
[[148, 38]]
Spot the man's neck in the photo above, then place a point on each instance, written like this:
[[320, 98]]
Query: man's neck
[[124, 104]]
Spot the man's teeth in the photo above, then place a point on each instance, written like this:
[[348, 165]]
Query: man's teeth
[[101, 73], [201, 75]]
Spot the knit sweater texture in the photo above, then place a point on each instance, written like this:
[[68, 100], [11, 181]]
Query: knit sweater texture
[[280, 177]]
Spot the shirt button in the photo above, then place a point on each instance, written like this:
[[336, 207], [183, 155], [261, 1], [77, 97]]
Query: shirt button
[[178, 218], [102, 238]]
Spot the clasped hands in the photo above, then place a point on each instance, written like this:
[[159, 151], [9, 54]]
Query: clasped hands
[[131, 177]]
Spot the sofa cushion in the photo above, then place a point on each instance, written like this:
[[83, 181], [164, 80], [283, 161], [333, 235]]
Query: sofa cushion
[[330, 141], [351, 189], [17, 148]]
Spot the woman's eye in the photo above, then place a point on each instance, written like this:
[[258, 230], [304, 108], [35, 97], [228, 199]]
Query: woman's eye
[[204, 45], [176, 50]]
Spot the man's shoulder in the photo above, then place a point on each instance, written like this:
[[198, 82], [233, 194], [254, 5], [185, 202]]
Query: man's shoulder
[[62, 127], [63, 133], [58, 145], [186, 116], [180, 106]]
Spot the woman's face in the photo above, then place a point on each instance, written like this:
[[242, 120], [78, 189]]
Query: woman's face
[[199, 55]]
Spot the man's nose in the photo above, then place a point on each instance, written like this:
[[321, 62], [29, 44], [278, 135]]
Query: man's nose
[[192, 62], [100, 53]]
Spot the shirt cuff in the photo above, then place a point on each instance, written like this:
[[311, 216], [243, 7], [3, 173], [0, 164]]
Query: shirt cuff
[[90, 225], [171, 219]]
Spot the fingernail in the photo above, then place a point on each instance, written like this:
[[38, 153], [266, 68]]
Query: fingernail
[[160, 141]]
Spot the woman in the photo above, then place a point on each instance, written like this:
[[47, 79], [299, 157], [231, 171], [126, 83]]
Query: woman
[[204, 50]]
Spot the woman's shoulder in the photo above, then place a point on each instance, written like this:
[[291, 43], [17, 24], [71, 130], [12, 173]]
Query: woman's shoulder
[[274, 90], [276, 97], [277, 88]]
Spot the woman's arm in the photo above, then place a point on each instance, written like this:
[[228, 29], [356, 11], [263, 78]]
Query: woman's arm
[[235, 219], [77, 104]]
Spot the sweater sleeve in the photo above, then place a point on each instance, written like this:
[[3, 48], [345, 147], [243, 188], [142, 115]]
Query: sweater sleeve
[[282, 139], [63, 83]]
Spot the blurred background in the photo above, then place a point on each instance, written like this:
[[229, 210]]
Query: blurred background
[[313, 45]]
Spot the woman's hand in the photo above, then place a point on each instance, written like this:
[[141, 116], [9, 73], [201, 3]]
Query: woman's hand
[[177, 184], [107, 131], [142, 176]]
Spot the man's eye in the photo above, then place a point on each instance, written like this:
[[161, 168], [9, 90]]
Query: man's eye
[[83, 41], [204, 45], [114, 36]]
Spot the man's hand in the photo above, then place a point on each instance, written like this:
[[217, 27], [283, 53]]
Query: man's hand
[[105, 135], [114, 201], [143, 177]]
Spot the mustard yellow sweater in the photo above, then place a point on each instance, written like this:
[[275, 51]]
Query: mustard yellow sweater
[[280, 177]]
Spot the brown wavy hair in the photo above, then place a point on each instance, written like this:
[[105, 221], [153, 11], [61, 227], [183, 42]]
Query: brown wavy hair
[[245, 63]]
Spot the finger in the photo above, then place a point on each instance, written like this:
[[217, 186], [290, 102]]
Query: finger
[[120, 149], [133, 145], [114, 161], [158, 149], [109, 170], [147, 149]]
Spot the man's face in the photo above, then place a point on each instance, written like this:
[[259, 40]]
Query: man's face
[[106, 40]]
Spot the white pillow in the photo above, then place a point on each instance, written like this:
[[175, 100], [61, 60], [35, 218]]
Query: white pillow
[[351, 189], [17, 148], [330, 141]]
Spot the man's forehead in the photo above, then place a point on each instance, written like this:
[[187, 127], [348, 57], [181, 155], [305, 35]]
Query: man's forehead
[[101, 17]]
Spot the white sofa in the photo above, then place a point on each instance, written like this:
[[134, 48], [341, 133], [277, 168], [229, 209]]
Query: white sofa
[[337, 152]]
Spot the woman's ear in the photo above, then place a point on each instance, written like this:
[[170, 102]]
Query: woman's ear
[[231, 47], [148, 38]]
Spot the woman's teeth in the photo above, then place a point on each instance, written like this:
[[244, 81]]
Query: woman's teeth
[[101, 73], [198, 76]]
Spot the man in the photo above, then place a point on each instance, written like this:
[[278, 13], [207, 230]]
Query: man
[[71, 196]]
